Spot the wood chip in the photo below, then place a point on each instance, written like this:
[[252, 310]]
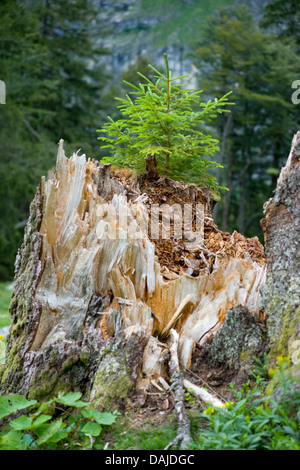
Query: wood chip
[[156, 385], [164, 383]]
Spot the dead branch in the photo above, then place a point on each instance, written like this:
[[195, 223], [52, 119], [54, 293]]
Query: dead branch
[[183, 437], [203, 394]]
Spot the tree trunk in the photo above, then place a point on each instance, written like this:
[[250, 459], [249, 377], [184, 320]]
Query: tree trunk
[[228, 120], [96, 292], [225, 212], [281, 292]]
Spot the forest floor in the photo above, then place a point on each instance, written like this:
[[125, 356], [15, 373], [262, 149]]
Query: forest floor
[[149, 421], [155, 406]]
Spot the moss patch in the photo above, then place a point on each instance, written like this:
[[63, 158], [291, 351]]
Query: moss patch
[[118, 368], [289, 326], [24, 310]]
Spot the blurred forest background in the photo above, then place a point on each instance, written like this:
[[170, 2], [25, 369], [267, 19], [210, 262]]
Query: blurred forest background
[[64, 62]]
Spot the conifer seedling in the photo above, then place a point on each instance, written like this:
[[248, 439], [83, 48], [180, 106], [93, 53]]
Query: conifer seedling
[[168, 121]]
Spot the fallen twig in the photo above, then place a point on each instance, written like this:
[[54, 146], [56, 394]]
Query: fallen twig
[[165, 384], [206, 385], [203, 394], [156, 386], [183, 437]]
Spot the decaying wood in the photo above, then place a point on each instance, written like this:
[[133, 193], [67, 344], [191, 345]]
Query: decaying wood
[[176, 315], [183, 437], [85, 284], [203, 394]]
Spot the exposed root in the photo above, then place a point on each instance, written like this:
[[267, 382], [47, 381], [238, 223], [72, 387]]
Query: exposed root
[[183, 437]]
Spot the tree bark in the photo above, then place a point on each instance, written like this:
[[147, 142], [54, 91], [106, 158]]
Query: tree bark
[[225, 212], [281, 292]]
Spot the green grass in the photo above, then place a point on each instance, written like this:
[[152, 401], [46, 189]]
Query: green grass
[[263, 416], [123, 435], [5, 296], [179, 20], [175, 23]]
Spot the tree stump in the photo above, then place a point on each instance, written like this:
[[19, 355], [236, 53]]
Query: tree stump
[[96, 294]]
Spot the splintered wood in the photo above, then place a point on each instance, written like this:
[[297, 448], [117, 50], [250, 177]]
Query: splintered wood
[[96, 242]]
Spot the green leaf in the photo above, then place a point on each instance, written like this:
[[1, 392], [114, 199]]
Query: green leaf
[[92, 428], [101, 418], [12, 441], [59, 436], [40, 420], [49, 431], [23, 422], [72, 399], [44, 407], [106, 418], [11, 403], [28, 442]]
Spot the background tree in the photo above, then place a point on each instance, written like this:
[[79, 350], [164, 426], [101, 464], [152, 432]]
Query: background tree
[[49, 62], [259, 68], [283, 17]]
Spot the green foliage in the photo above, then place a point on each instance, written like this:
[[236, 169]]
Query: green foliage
[[54, 85], [62, 423], [188, 397], [236, 54], [162, 121], [12, 403], [255, 420], [284, 17], [261, 416]]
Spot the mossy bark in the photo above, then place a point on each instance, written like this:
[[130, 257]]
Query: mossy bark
[[281, 225], [240, 341], [24, 309], [120, 364]]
